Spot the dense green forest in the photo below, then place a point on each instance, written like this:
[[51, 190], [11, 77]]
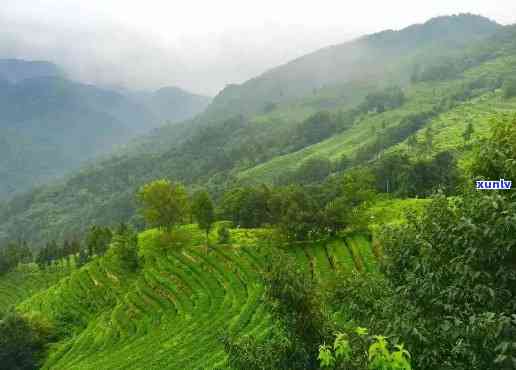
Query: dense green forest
[[307, 220]]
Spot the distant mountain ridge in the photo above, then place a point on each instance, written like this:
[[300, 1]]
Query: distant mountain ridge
[[367, 57], [16, 70], [171, 104], [50, 124]]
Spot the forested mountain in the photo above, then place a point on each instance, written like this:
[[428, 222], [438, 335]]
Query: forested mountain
[[171, 104], [50, 124], [385, 57], [217, 149]]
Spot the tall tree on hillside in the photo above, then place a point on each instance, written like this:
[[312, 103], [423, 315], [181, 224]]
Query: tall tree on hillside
[[98, 239], [164, 204], [124, 248], [468, 131], [509, 88], [429, 140], [412, 142], [83, 258], [203, 211]]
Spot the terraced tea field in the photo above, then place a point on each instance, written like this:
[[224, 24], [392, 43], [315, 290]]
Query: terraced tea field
[[448, 126], [171, 312], [26, 281]]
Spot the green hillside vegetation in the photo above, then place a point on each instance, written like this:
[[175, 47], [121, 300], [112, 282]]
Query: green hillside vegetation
[[26, 281], [218, 150], [300, 228], [421, 97], [338, 67], [175, 305]]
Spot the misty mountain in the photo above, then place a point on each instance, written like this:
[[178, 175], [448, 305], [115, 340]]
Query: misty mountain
[[215, 147], [171, 104], [386, 55], [49, 124], [16, 70]]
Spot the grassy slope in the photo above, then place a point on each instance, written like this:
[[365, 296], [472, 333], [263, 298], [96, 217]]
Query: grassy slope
[[169, 314], [26, 281], [448, 126]]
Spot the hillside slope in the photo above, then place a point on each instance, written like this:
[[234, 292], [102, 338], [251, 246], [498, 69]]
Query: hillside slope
[[49, 125], [223, 146], [171, 104], [369, 129], [170, 313], [386, 57]]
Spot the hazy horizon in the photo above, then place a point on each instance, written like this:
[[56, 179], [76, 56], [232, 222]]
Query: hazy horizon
[[200, 46]]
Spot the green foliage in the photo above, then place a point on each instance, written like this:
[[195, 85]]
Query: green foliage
[[468, 132], [224, 236], [495, 158], [246, 206], [300, 322], [393, 135], [14, 254], [98, 240], [164, 204], [82, 258], [298, 217], [377, 356], [379, 102], [52, 253], [361, 298], [203, 211], [509, 88], [250, 354], [124, 248], [23, 343], [312, 170], [397, 174], [451, 269], [316, 128]]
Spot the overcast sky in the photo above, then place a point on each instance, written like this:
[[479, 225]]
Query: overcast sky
[[201, 45]]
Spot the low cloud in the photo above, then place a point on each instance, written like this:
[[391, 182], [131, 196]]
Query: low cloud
[[200, 46]]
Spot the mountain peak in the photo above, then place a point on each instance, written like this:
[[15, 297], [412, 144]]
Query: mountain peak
[[458, 29], [16, 70]]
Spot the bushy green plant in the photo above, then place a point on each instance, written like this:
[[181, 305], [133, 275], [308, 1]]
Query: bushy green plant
[[224, 236], [301, 323], [509, 88], [203, 211], [124, 248], [22, 342], [452, 271], [362, 351], [163, 204]]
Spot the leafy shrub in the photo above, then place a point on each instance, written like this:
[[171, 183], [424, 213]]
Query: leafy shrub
[[389, 98], [300, 323], [453, 271], [22, 342], [509, 88], [124, 248], [361, 351], [224, 236]]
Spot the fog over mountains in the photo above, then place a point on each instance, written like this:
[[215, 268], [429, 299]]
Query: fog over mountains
[[198, 45], [50, 124]]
